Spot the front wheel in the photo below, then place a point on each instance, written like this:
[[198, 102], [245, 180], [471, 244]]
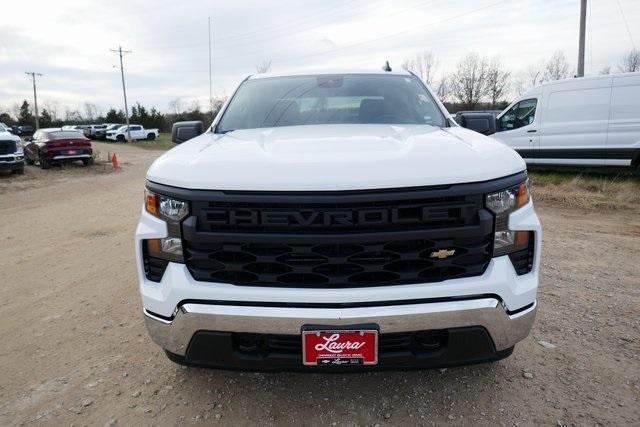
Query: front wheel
[[28, 160], [151, 136], [120, 138]]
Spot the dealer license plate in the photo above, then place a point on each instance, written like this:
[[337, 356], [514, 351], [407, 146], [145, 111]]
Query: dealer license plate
[[71, 152], [330, 347]]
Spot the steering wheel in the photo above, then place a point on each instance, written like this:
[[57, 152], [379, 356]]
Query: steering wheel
[[390, 118]]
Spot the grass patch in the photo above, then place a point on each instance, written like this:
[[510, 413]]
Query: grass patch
[[162, 142], [588, 188]]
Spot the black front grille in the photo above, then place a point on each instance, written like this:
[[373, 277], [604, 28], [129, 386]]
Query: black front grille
[[7, 147], [332, 240], [366, 263]]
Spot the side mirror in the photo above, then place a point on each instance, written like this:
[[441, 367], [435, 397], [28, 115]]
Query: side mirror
[[484, 123], [184, 131]]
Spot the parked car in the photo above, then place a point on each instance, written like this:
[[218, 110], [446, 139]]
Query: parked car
[[460, 114], [137, 132], [11, 151], [587, 121], [24, 130], [74, 128], [109, 127], [93, 131], [337, 220], [55, 145]]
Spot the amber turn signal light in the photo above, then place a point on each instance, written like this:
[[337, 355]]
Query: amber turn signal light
[[151, 203]]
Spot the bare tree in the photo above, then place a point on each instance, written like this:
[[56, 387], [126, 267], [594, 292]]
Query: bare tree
[[90, 111], [52, 107], [497, 81], [556, 68], [469, 81], [176, 106], [72, 116], [605, 70], [263, 67], [630, 62], [443, 89], [424, 65]]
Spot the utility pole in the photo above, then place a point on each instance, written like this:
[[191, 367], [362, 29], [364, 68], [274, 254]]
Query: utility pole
[[210, 75], [35, 95], [120, 52], [583, 21]]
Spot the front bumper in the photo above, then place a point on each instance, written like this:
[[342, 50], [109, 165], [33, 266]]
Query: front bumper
[[178, 309], [8, 163], [483, 321]]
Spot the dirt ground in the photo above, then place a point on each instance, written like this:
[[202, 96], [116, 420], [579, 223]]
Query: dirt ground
[[75, 351]]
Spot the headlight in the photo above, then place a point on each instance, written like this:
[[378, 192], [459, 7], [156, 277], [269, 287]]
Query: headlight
[[171, 211], [502, 204], [165, 207], [19, 149]]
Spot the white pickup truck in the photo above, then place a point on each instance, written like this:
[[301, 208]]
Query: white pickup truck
[[137, 132], [337, 221]]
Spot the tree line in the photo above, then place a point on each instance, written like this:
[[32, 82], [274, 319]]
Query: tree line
[[22, 114], [477, 82]]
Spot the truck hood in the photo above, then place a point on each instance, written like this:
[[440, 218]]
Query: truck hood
[[334, 157], [8, 136]]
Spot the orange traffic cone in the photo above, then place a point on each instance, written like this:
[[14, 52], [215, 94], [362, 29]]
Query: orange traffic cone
[[114, 161]]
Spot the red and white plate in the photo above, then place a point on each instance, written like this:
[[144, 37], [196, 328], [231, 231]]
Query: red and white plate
[[339, 347]]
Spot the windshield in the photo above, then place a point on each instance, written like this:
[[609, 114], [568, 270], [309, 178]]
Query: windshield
[[330, 99]]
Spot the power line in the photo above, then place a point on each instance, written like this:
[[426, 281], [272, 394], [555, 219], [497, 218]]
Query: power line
[[624, 18], [398, 33], [365, 42], [35, 95], [120, 52]]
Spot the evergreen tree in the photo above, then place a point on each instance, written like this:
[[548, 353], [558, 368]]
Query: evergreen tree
[[24, 116]]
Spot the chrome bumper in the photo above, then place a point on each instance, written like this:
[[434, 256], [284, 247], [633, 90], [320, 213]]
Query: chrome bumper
[[505, 330], [78, 157]]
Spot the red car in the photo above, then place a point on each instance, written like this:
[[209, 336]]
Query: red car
[[56, 145]]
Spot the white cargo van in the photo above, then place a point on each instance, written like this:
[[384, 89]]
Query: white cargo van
[[590, 121]]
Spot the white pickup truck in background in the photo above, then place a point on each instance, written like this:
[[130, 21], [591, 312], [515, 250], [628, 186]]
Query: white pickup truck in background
[[137, 132]]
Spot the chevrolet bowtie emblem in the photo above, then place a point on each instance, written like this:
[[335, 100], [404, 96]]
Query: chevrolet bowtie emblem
[[443, 253]]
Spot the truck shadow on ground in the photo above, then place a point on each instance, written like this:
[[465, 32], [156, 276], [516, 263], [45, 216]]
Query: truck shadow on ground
[[459, 393]]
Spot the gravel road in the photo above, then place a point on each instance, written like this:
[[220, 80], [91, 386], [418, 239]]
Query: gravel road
[[75, 351]]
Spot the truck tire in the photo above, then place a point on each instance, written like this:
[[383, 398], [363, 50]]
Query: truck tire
[[120, 138], [151, 136], [45, 163], [28, 160]]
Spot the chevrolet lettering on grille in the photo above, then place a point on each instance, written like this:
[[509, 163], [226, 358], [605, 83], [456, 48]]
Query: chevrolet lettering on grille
[[329, 218]]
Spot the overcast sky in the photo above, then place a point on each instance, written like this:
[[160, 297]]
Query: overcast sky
[[69, 41]]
